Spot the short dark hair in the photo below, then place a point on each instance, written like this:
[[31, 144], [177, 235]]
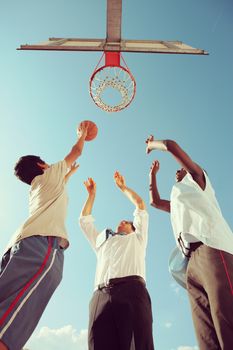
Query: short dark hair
[[26, 168], [132, 225]]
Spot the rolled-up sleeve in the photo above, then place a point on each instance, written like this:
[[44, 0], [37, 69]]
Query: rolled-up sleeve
[[86, 224], [141, 224]]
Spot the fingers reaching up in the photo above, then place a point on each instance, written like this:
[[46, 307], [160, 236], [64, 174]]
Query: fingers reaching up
[[83, 128], [119, 180], [90, 185], [154, 167], [74, 167]]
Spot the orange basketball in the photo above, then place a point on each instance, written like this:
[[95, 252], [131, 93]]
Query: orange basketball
[[91, 131]]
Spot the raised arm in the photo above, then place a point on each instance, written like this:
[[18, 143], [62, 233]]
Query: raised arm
[[180, 155], [76, 150], [130, 194], [155, 199], [91, 189], [86, 220]]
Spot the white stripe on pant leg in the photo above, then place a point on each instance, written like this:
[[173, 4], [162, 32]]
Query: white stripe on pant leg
[[27, 297]]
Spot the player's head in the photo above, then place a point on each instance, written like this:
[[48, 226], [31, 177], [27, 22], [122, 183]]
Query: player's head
[[126, 227], [28, 167], [180, 174]]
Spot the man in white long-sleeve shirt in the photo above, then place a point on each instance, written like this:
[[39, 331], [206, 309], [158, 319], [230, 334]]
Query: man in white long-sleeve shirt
[[120, 309], [206, 239]]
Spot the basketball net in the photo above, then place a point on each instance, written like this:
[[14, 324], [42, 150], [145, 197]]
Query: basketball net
[[112, 76]]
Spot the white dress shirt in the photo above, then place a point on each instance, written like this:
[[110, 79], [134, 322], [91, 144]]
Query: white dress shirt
[[119, 255], [195, 213], [47, 206]]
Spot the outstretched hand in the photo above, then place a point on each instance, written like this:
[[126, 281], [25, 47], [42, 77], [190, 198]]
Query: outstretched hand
[[154, 167], [74, 167], [90, 186], [148, 140], [119, 180], [83, 128]]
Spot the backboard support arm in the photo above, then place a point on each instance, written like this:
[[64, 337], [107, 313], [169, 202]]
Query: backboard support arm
[[114, 15]]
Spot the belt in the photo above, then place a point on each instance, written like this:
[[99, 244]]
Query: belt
[[194, 246], [116, 281]]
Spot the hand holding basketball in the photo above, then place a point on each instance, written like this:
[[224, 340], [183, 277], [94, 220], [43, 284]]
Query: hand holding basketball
[[89, 127]]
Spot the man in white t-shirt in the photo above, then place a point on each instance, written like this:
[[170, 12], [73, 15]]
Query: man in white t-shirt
[[120, 309], [204, 236], [32, 266]]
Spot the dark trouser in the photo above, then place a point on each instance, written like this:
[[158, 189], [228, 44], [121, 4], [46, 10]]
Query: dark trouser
[[210, 289], [121, 316], [29, 274]]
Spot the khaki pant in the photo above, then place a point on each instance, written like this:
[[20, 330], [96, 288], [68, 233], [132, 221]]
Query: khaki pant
[[210, 289]]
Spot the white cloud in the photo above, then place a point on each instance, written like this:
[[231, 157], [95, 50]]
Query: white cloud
[[176, 288], [66, 337], [168, 324]]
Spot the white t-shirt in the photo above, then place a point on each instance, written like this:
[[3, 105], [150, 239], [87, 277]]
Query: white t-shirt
[[119, 255], [47, 206], [195, 213]]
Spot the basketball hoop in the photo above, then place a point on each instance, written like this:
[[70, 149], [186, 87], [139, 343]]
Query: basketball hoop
[[112, 76]]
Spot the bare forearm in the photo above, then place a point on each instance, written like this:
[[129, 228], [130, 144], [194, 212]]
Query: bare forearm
[[183, 158], [78, 147], [87, 208], [134, 198], [164, 145], [76, 151], [155, 199], [176, 151]]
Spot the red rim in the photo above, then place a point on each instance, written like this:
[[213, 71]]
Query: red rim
[[125, 70]]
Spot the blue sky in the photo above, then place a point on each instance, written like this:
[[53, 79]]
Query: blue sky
[[44, 95]]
